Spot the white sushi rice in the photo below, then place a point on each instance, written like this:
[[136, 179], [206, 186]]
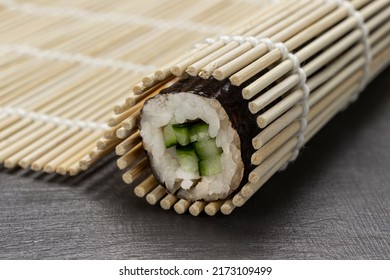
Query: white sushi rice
[[181, 107]]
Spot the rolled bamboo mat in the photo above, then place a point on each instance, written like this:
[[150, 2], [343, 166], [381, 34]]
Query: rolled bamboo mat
[[302, 64], [65, 64]]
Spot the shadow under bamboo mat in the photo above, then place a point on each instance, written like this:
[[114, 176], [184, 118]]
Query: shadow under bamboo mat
[[65, 64]]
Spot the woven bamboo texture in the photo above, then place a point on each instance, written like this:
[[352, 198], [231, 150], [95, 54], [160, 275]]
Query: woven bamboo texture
[[64, 65]]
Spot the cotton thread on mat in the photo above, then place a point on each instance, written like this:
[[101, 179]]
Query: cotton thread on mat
[[365, 40], [75, 57], [86, 15], [52, 119], [226, 39]]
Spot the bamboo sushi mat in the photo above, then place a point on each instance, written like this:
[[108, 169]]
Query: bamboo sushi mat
[[65, 67], [65, 64], [316, 55]]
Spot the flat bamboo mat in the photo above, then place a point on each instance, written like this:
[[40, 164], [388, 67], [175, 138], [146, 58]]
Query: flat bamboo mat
[[65, 64]]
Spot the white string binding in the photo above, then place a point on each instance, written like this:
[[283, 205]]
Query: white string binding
[[305, 100], [365, 40], [226, 39], [79, 58], [52, 119], [110, 17]]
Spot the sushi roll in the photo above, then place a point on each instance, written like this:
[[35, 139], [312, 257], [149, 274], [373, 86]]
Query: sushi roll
[[197, 135]]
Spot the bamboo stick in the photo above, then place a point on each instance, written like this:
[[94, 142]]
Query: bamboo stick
[[123, 133], [103, 144], [128, 158], [197, 207], [130, 175], [213, 207], [168, 201], [145, 186], [182, 206], [228, 207], [127, 144], [155, 195]]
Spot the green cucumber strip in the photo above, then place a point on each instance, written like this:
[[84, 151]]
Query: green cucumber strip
[[199, 132], [207, 149], [169, 136], [187, 158], [210, 166], [181, 133]]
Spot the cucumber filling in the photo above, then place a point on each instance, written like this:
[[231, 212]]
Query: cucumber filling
[[207, 149], [169, 136], [181, 133], [210, 166], [196, 151], [187, 158], [199, 132]]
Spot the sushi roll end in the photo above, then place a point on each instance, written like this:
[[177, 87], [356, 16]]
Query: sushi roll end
[[190, 135]]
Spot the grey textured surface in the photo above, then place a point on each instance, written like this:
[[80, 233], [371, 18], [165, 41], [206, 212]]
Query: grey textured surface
[[332, 203]]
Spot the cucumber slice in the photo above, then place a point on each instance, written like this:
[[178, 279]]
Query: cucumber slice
[[210, 166], [181, 133], [199, 132], [207, 149], [187, 158], [169, 136]]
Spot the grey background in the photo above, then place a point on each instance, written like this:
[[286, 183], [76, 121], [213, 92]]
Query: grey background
[[332, 203]]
